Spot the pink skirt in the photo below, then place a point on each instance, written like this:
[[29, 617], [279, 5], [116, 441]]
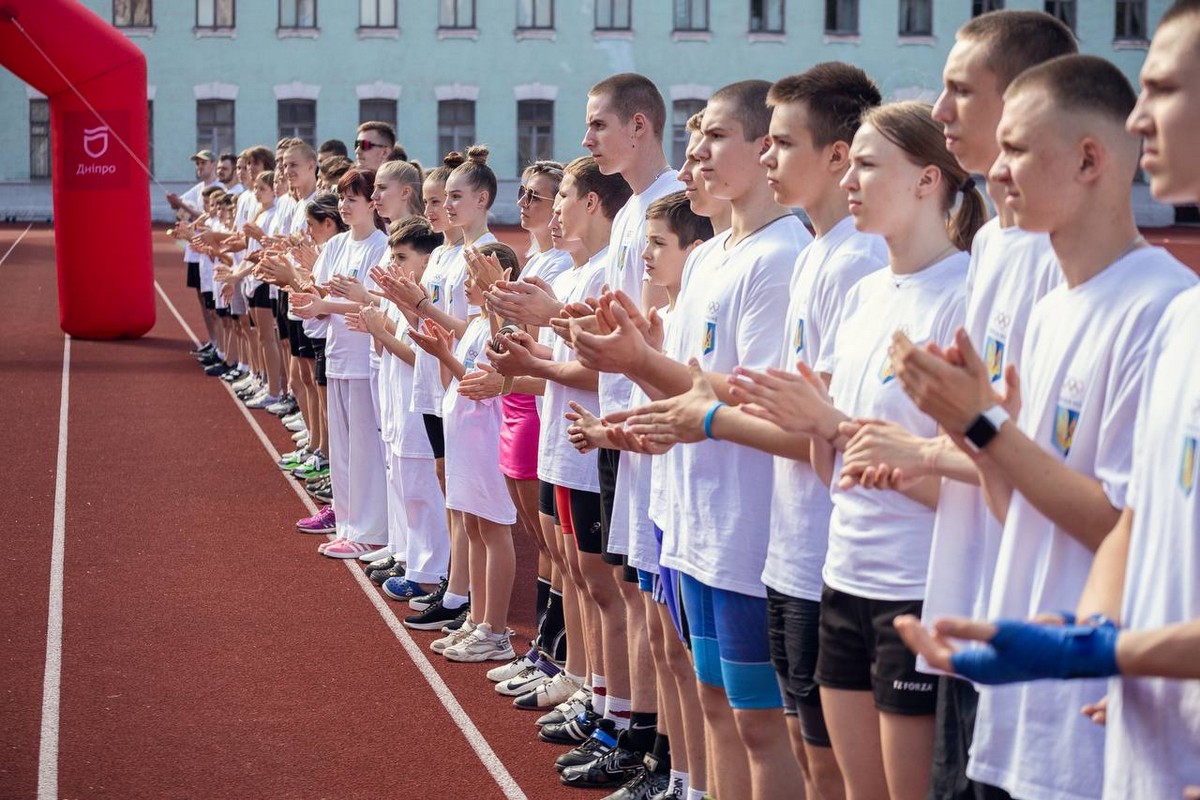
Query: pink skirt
[[519, 430]]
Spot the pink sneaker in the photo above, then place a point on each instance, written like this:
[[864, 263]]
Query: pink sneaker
[[323, 546], [346, 548], [321, 522]]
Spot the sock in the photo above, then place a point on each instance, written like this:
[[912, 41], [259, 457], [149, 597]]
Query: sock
[[543, 597], [661, 751], [599, 694], [679, 779], [578, 680], [695, 794], [453, 601], [643, 725], [617, 710], [551, 626]]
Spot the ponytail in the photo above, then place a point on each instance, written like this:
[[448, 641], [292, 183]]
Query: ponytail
[[969, 217]]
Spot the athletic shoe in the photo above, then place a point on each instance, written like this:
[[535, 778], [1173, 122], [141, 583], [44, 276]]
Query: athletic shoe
[[433, 618], [262, 400], [285, 406], [234, 375], [245, 382], [300, 436], [547, 695], [510, 670], [457, 622], [602, 740], [573, 731], [452, 638], [295, 426], [209, 358], [322, 493], [482, 645], [675, 790], [568, 709], [202, 350], [617, 767], [426, 600], [323, 546], [375, 555], [525, 681], [348, 549], [383, 560], [399, 588], [294, 459], [292, 417], [382, 576], [256, 391], [217, 369], [321, 522], [315, 467]]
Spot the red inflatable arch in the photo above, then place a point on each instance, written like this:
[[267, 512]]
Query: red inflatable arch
[[101, 198]]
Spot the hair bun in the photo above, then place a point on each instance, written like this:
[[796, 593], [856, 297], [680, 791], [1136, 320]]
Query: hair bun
[[478, 154], [453, 159]]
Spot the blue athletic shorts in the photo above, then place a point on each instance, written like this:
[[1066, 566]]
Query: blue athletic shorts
[[730, 644]]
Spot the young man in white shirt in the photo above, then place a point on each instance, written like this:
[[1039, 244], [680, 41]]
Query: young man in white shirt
[[373, 144], [1138, 575], [191, 205], [1058, 476], [731, 309]]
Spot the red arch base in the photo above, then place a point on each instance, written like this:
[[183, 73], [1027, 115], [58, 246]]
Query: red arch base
[[101, 199]]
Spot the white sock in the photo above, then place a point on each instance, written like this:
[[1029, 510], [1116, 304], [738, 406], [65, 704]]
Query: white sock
[[695, 794], [599, 694], [679, 779], [453, 601], [617, 709]]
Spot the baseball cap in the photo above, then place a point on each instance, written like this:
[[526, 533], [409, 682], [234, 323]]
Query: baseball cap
[[204, 155]]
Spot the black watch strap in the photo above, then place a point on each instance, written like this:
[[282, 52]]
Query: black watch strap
[[981, 432]]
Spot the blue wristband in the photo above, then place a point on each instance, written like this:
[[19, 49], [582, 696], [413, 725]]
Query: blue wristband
[[708, 419], [1027, 651]]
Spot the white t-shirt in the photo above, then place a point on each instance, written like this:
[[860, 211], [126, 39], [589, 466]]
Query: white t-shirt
[[663, 468], [800, 503], [558, 460], [547, 265], [455, 277], [346, 351], [474, 483], [194, 198], [879, 540], [1082, 367], [403, 430], [626, 270], [427, 380], [730, 311], [1010, 270], [285, 209], [265, 220], [1153, 731], [299, 221]]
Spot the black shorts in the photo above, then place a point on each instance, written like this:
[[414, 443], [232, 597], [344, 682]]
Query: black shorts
[[954, 729], [546, 503], [261, 298], [794, 628], [193, 275], [585, 519], [281, 320], [436, 434], [210, 302], [860, 651], [318, 347], [224, 312], [300, 343], [609, 460]]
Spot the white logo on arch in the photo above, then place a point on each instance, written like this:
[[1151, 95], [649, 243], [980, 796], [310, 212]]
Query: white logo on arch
[[95, 141]]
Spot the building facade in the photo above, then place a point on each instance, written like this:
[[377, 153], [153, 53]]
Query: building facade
[[513, 74]]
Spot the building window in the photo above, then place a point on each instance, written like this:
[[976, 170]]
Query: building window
[[214, 13], [841, 17], [766, 16], [150, 135], [376, 13], [681, 112], [39, 139], [984, 6], [1131, 20], [456, 14], [297, 13], [535, 132], [535, 14], [613, 15], [916, 17], [1063, 10], [132, 14], [214, 125], [298, 118], [691, 15], [377, 110], [456, 125]]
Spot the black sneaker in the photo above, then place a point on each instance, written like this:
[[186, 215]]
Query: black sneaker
[[646, 785], [457, 622], [209, 358], [379, 576], [203, 350], [234, 375], [433, 618], [572, 731], [217, 369], [602, 740], [324, 494], [615, 768], [426, 600]]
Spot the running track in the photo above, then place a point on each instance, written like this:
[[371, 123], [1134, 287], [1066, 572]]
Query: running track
[[206, 650]]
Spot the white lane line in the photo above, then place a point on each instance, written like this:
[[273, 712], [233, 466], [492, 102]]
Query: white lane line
[[13, 246], [52, 681], [474, 737]]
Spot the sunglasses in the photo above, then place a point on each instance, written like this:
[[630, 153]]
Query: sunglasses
[[366, 145], [526, 194]]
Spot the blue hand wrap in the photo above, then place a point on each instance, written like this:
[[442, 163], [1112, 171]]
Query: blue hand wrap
[[1027, 651]]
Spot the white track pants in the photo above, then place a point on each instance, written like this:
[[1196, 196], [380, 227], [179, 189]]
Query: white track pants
[[356, 462], [426, 552]]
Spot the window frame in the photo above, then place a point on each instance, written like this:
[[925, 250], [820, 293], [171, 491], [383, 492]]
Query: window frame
[[1124, 13], [35, 172], [216, 26], [691, 8], [533, 6], [461, 147], [392, 118], [832, 7], [1053, 7], [214, 143], [378, 26], [980, 7], [457, 26], [913, 7], [296, 102], [765, 16], [296, 26], [525, 126], [612, 7], [133, 23], [679, 131]]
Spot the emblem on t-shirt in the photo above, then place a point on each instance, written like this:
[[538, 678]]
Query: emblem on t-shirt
[[435, 293], [1187, 465], [1066, 416], [710, 337], [469, 361], [993, 356], [887, 371], [799, 343]]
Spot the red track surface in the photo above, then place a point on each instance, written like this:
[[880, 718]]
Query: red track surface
[[207, 650]]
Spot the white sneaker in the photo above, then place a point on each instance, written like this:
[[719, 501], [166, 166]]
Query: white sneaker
[[376, 555], [523, 682], [244, 383], [452, 638], [481, 645], [547, 695], [298, 435], [292, 417], [296, 425], [509, 670]]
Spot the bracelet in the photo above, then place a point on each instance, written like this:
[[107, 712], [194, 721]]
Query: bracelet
[[417, 307], [507, 386], [708, 419]]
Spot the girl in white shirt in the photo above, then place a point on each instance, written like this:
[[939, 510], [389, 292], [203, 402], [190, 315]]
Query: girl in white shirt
[[398, 191]]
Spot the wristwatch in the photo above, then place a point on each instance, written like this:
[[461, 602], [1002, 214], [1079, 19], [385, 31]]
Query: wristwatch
[[985, 427], [507, 386]]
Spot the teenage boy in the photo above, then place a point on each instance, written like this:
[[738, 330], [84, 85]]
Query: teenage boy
[[1058, 475], [190, 205], [1142, 572], [730, 311]]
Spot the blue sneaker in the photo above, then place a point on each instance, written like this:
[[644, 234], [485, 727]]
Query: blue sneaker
[[402, 589]]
